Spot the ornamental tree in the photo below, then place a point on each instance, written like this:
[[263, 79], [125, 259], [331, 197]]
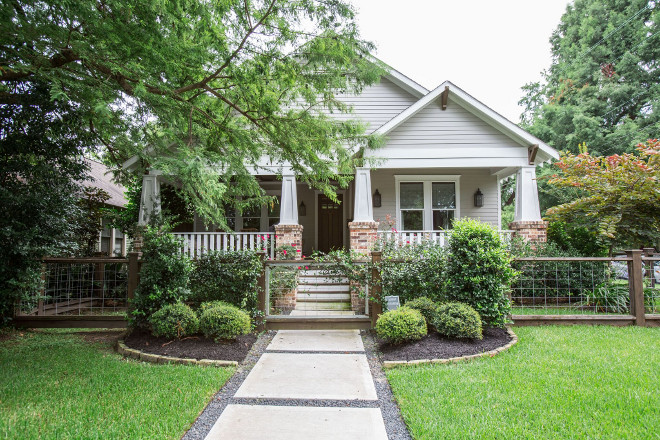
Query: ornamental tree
[[200, 90], [620, 194]]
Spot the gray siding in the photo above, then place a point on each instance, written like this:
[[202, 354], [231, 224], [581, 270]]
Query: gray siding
[[377, 104], [470, 180], [451, 134]]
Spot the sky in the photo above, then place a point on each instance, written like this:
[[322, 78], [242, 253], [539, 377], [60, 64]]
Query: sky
[[488, 48]]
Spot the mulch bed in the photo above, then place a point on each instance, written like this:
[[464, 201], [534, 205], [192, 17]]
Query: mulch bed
[[195, 347], [434, 346]]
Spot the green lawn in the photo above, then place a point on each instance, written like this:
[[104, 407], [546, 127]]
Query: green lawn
[[559, 382], [55, 385]]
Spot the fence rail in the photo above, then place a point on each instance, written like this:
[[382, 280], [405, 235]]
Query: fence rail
[[196, 244], [81, 292]]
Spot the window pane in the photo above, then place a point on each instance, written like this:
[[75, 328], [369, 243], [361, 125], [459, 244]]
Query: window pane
[[412, 220], [443, 195], [274, 208], [411, 195], [252, 223], [442, 220]]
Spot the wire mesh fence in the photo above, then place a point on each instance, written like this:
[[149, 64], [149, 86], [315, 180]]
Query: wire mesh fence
[[79, 287], [571, 286], [652, 284]]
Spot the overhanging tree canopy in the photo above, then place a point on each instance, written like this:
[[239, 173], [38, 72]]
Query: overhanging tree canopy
[[603, 86], [205, 85]]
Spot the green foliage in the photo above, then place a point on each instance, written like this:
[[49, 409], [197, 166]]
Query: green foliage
[[479, 271], [413, 270], [609, 298], [41, 170], [89, 223], [126, 219], [425, 306], [401, 325], [603, 81], [346, 264], [229, 276], [210, 304], [174, 321], [224, 322], [458, 320], [285, 252], [621, 194], [576, 238], [164, 275], [203, 84]]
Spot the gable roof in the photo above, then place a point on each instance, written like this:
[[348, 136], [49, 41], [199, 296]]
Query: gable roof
[[99, 176], [480, 110], [401, 80]]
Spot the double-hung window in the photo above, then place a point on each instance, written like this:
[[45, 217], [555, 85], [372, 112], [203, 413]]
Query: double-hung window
[[427, 203]]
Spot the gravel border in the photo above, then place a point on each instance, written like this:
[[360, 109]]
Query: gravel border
[[491, 353], [394, 424], [210, 414]]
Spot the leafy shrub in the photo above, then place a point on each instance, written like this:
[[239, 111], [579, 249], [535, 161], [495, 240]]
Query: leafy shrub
[[458, 320], [609, 298], [401, 325], [285, 252], [224, 322], [422, 270], [164, 275], [479, 271], [230, 276], [425, 306], [203, 307], [174, 321]]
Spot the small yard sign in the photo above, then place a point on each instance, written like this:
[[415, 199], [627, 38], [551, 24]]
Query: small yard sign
[[392, 302]]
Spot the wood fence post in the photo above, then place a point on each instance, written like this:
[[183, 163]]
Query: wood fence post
[[261, 294], [375, 307], [636, 286], [133, 277]]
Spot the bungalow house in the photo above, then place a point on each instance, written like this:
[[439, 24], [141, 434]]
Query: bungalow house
[[443, 158]]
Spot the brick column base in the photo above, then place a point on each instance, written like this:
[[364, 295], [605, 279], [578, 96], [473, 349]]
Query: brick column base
[[363, 236], [291, 235], [533, 232]]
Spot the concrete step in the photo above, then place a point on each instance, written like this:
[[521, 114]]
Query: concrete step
[[323, 300], [324, 288], [310, 279], [302, 305], [336, 296]]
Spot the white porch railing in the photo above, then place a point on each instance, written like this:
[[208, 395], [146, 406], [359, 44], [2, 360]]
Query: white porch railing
[[198, 243], [403, 238]]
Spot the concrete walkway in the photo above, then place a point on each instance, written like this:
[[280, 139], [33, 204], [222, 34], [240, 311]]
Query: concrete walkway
[[296, 391]]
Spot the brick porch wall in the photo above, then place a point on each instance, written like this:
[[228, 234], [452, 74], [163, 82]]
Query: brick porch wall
[[363, 236], [291, 235], [534, 231]]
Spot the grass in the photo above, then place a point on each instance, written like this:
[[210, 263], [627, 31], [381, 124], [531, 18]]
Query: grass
[[55, 385], [556, 383]]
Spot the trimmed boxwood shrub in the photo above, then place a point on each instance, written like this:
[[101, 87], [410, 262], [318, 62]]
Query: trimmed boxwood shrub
[[229, 276], [401, 325], [458, 320], [425, 306], [174, 321], [203, 307], [224, 322], [479, 271]]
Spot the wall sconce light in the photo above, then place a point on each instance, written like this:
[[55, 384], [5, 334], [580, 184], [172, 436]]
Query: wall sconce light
[[478, 198], [302, 209], [377, 199]]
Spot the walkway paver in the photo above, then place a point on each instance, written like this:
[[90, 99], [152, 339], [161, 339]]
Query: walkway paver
[[290, 395], [257, 422], [317, 340], [310, 376]]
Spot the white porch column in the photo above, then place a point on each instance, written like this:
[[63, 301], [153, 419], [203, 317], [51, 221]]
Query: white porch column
[[150, 200], [289, 203], [363, 210], [527, 196]]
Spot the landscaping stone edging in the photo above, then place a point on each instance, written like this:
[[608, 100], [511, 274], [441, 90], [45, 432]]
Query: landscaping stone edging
[[161, 359], [491, 353]]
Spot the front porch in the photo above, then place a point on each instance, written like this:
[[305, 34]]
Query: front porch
[[379, 205]]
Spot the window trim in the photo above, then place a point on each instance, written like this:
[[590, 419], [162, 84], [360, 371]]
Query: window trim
[[427, 180]]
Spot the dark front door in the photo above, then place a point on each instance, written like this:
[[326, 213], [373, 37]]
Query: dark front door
[[330, 231]]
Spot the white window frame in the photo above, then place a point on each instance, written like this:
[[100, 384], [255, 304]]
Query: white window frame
[[263, 215], [427, 180]]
